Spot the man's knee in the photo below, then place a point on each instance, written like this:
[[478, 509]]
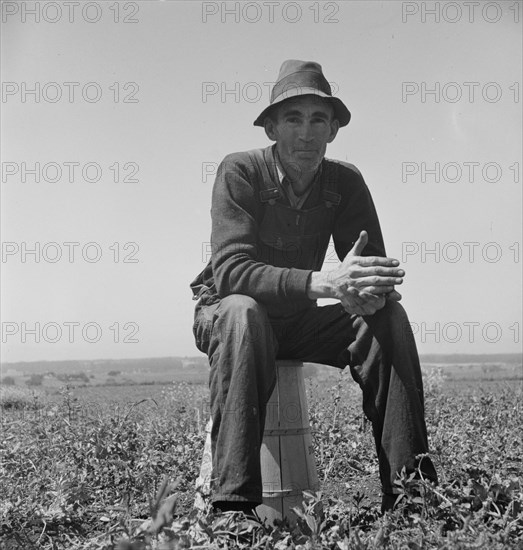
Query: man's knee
[[241, 306], [395, 312], [399, 322], [243, 318], [394, 320]]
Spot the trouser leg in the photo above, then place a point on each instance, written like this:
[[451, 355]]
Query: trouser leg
[[384, 361], [237, 336], [381, 352], [242, 343]]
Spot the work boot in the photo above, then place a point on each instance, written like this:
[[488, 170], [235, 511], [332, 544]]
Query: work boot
[[248, 508], [387, 502]]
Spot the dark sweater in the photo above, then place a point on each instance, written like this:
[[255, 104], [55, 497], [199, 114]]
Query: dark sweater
[[244, 260]]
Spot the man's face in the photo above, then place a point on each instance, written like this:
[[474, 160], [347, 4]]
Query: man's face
[[302, 128]]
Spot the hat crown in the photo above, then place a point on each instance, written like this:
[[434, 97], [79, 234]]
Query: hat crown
[[298, 78], [297, 75]]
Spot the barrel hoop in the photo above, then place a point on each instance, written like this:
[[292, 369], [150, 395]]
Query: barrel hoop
[[282, 493], [288, 431]]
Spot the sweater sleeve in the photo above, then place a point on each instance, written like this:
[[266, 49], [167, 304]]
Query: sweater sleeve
[[234, 239], [357, 213]]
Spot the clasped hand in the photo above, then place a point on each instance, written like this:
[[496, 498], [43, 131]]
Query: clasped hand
[[363, 284]]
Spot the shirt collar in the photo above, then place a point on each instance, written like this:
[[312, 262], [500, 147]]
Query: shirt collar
[[281, 173]]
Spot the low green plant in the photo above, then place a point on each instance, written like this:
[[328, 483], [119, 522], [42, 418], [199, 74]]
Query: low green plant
[[120, 475]]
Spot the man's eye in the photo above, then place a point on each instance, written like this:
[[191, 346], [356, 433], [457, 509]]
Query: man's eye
[[293, 119]]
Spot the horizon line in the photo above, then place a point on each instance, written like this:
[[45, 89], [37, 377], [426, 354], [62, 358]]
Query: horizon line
[[421, 355]]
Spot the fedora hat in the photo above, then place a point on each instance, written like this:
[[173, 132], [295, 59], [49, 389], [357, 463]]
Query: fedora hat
[[298, 78]]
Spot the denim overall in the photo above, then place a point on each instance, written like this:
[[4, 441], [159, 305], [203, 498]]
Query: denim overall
[[291, 237], [296, 237], [243, 339]]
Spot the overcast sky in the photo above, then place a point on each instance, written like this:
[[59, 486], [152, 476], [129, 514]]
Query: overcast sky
[[122, 111]]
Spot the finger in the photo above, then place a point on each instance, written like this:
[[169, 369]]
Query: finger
[[360, 244], [372, 300], [378, 260], [377, 290], [368, 296], [352, 303], [352, 307], [363, 310], [394, 296], [363, 282], [352, 293], [354, 310], [369, 299], [359, 301], [364, 300], [370, 310], [359, 270]]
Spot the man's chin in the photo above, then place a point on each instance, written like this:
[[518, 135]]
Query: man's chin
[[307, 164]]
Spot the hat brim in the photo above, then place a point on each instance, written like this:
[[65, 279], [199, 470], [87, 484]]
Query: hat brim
[[341, 113]]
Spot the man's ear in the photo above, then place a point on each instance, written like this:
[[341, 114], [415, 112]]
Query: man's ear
[[335, 126], [269, 125]]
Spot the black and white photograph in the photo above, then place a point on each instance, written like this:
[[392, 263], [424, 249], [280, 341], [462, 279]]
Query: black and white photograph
[[261, 275]]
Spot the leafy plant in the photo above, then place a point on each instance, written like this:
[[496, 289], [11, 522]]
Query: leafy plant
[[82, 471]]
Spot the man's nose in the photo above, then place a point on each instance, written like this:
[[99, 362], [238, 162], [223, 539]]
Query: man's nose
[[306, 133]]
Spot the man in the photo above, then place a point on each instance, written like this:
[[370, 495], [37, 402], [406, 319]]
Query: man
[[273, 213]]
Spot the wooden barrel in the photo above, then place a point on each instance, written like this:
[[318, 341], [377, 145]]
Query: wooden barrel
[[287, 454], [203, 481]]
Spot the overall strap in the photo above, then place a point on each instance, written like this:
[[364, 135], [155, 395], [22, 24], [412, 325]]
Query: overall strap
[[265, 168], [330, 184]]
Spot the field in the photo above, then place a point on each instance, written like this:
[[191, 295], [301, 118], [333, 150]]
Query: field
[[114, 466]]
